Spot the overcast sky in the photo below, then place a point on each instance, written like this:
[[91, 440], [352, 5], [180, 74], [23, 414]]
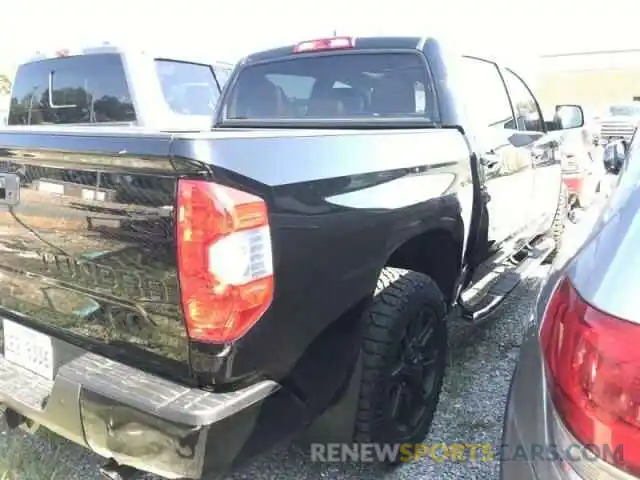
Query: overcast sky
[[516, 30]]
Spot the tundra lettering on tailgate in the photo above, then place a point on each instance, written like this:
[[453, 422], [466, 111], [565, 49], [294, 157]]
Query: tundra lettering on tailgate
[[124, 281]]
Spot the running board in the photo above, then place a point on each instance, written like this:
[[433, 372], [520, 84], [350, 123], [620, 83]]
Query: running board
[[483, 296]]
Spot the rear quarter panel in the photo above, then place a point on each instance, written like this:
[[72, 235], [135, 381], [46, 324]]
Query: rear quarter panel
[[340, 203], [605, 271]]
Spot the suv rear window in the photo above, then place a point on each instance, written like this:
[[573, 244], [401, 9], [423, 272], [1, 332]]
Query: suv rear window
[[188, 88], [85, 89], [359, 86]]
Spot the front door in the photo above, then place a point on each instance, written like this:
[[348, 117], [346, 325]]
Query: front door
[[541, 148], [505, 166]]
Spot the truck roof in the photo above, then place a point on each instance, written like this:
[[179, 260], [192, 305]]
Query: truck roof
[[361, 43], [379, 43], [173, 54]]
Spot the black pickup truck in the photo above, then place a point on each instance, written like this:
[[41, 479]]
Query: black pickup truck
[[221, 291]]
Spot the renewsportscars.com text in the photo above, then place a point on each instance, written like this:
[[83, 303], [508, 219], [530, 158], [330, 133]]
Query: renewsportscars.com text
[[461, 452]]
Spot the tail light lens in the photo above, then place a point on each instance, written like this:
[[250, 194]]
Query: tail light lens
[[593, 364], [224, 260], [319, 44]]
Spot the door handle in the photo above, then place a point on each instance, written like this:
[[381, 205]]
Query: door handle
[[537, 153], [490, 159]]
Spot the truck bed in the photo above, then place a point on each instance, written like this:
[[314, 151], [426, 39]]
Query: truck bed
[[88, 255]]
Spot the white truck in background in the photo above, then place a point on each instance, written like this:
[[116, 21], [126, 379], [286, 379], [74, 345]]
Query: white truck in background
[[107, 85], [619, 122]]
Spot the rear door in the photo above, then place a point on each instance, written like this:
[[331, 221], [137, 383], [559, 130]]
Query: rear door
[[504, 161]]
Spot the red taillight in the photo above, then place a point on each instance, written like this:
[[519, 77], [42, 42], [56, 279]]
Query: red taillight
[[224, 260], [332, 43], [593, 364]]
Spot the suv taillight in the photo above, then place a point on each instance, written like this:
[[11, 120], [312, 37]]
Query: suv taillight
[[224, 260], [593, 367]]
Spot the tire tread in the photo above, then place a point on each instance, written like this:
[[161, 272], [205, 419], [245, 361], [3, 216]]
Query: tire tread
[[394, 289]]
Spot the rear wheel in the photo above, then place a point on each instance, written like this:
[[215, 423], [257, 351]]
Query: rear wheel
[[405, 354]]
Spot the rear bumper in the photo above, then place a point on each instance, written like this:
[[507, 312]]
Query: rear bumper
[[525, 420], [136, 418]]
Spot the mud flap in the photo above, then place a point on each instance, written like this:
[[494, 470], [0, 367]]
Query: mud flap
[[336, 425]]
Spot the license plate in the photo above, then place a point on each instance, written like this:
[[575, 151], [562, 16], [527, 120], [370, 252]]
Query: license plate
[[30, 349]]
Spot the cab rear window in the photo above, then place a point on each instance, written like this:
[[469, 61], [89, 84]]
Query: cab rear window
[[359, 86], [83, 89]]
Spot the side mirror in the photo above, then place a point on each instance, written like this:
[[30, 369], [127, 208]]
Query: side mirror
[[568, 116]]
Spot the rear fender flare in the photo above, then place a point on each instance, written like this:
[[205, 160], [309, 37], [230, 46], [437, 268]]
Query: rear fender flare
[[453, 228]]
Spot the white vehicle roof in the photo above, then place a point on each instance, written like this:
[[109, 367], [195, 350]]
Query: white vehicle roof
[[171, 54], [144, 85]]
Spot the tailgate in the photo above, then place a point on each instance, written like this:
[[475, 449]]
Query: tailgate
[[87, 254]]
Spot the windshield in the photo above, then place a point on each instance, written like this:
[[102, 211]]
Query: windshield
[[188, 88], [625, 110], [342, 86]]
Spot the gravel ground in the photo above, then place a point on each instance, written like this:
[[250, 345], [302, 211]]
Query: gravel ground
[[470, 410]]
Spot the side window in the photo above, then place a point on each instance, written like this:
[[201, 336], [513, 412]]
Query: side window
[[528, 115], [486, 97]]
